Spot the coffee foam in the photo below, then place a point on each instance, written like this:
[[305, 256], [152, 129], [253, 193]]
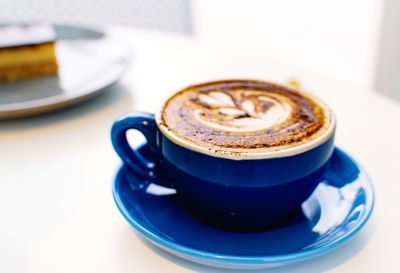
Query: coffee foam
[[220, 112], [243, 119]]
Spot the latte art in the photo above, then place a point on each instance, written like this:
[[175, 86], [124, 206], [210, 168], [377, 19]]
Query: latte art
[[250, 111], [244, 116]]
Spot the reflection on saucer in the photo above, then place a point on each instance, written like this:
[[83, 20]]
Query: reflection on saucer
[[155, 189], [331, 205]]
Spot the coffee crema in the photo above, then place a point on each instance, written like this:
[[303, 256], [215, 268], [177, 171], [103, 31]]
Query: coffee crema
[[244, 116]]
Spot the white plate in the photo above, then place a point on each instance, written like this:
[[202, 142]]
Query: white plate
[[89, 61]]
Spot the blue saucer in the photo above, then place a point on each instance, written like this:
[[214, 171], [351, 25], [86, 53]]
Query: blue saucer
[[337, 210]]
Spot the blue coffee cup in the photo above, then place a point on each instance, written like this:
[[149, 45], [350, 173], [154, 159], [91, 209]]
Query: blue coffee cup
[[225, 191]]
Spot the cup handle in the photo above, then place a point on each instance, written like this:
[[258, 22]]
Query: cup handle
[[144, 123]]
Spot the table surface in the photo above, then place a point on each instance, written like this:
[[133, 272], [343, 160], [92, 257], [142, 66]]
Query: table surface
[[56, 170]]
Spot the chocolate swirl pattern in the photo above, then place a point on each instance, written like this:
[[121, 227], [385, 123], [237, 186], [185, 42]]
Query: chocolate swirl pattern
[[245, 116]]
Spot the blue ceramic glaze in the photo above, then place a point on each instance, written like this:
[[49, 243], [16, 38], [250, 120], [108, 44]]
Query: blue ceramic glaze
[[223, 192], [327, 219]]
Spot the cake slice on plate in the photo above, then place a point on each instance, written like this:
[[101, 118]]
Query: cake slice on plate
[[27, 51]]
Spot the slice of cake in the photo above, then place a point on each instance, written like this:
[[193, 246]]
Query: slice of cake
[[27, 51]]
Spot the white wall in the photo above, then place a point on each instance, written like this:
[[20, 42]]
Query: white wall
[[388, 65], [167, 15], [336, 38]]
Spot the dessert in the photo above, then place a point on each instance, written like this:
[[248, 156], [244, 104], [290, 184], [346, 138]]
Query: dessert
[[27, 51]]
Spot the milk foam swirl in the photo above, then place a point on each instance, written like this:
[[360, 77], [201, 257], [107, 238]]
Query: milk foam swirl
[[243, 112], [244, 116]]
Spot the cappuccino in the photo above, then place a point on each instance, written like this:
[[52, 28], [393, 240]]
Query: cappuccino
[[237, 118]]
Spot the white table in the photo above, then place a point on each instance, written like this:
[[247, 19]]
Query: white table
[[56, 208]]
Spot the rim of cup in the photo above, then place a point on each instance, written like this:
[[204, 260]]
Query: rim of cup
[[243, 155]]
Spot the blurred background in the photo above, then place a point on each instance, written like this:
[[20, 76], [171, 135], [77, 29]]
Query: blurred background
[[354, 42]]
